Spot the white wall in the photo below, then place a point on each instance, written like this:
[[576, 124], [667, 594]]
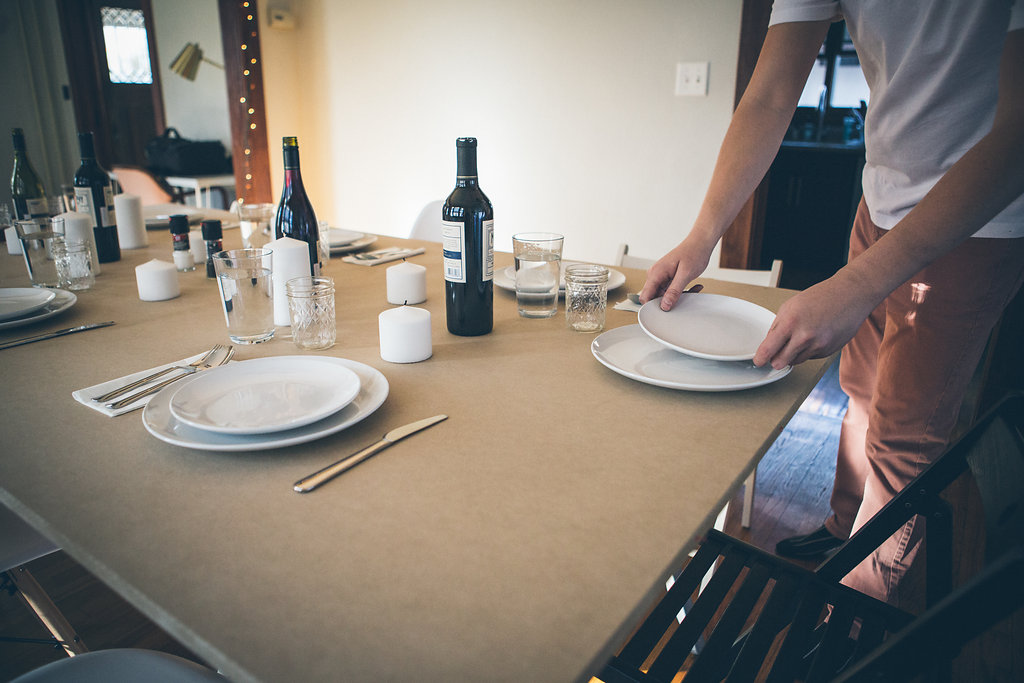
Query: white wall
[[197, 109], [572, 101]]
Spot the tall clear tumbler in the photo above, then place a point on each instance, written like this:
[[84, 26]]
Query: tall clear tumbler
[[247, 294], [538, 263]]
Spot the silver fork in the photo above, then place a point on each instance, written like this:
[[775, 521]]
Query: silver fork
[[117, 405], [160, 373]]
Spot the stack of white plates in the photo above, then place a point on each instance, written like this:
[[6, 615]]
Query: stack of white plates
[[25, 305], [345, 241], [505, 278], [265, 403], [705, 343]]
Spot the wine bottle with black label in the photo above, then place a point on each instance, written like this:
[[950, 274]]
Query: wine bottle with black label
[[94, 195], [467, 220], [295, 217], [27, 189]]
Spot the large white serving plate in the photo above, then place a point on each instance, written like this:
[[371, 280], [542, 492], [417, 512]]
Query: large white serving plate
[[631, 353], [62, 301], [17, 302], [265, 395], [161, 423], [708, 326], [505, 278]]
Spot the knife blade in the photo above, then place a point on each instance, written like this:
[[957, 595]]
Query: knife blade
[[307, 484], [51, 335]]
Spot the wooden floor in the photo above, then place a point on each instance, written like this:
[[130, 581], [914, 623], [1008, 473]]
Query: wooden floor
[[794, 483]]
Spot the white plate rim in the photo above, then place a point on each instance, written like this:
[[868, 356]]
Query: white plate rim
[[654, 305], [45, 296], [354, 246], [337, 245], [247, 366], [60, 303], [502, 280], [633, 332], [158, 420]]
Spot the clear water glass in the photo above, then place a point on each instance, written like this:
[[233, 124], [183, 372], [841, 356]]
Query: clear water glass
[[247, 294], [311, 308], [538, 257], [38, 239], [256, 224], [586, 297]]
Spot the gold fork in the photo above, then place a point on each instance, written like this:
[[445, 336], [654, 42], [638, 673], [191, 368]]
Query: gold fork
[[160, 373], [117, 405]]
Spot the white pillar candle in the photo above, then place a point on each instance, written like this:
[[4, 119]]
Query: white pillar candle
[[291, 259], [405, 335], [197, 246], [157, 280], [13, 242], [407, 283], [131, 226], [78, 228]]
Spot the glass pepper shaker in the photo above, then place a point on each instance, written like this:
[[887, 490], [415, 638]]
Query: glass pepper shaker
[[213, 236]]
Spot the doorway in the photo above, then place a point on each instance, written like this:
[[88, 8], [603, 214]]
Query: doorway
[[110, 52]]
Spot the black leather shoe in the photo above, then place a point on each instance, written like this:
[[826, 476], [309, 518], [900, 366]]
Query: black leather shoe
[[809, 546]]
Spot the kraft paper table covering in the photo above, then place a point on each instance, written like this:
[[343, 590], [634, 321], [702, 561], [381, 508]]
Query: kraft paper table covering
[[518, 540]]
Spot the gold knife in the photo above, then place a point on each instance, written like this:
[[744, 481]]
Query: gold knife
[[307, 484]]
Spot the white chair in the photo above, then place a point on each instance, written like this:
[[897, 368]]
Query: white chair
[[19, 545], [764, 278], [103, 666], [428, 223]]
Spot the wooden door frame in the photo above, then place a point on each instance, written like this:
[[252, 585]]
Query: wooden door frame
[[741, 244]]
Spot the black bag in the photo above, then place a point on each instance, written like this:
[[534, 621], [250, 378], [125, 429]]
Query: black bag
[[171, 154]]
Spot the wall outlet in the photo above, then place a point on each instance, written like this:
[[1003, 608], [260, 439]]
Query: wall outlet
[[692, 78]]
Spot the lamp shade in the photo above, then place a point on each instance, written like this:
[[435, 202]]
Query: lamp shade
[[186, 64]]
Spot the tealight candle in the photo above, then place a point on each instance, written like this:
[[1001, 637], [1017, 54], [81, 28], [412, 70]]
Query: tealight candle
[[407, 283], [157, 280], [291, 260], [405, 335], [131, 226], [78, 228]]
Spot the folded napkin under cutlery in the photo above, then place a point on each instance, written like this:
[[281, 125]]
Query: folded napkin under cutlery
[[372, 258], [86, 396], [627, 305]]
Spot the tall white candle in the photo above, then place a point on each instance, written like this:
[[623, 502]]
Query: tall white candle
[[291, 259], [407, 283], [131, 226], [13, 241], [157, 280], [405, 335], [78, 228]]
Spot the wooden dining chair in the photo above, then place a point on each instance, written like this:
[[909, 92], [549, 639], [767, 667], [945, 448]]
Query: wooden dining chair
[[786, 603], [19, 545], [764, 278]]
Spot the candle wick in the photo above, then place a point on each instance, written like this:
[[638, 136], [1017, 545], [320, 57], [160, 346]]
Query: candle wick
[[405, 303]]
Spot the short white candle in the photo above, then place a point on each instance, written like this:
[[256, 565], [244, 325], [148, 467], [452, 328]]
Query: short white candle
[[197, 246], [157, 280], [131, 226], [13, 241], [78, 228], [405, 335], [407, 283], [291, 260]]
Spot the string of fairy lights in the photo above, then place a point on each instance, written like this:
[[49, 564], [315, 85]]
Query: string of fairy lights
[[251, 76]]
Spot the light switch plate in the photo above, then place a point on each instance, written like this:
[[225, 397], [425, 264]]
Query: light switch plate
[[692, 78]]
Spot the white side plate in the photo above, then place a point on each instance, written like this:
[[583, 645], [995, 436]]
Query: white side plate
[[505, 278], [708, 326], [60, 303], [16, 302]]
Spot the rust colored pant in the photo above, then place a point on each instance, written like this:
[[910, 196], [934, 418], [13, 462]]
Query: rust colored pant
[[906, 372]]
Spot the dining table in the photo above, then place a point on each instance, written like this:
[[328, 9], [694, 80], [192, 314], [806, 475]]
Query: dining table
[[521, 539]]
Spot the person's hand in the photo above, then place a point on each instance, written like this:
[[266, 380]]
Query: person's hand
[[813, 324], [670, 275]]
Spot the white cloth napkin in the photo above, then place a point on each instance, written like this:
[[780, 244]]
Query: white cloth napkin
[[85, 396], [372, 258], [627, 305]]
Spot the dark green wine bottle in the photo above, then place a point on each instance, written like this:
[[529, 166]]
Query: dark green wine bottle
[[26, 188], [295, 217], [95, 196], [467, 219]]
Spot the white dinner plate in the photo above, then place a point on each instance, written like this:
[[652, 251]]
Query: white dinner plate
[[708, 326], [161, 423], [336, 237], [62, 301], [265, 395], [18, 302], [356, 245], [505, 278], [159, 215], [631, 353]]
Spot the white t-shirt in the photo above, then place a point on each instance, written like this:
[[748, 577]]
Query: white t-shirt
[[933, 70]]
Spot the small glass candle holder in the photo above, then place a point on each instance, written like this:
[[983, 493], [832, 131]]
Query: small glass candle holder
[[311, 309], [74, 264], [586, 297]]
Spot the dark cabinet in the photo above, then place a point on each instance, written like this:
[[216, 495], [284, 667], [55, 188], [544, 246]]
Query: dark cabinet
[[813, 192]]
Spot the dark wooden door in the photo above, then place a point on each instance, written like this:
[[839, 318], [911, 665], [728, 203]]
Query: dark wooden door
[[123, 116]]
